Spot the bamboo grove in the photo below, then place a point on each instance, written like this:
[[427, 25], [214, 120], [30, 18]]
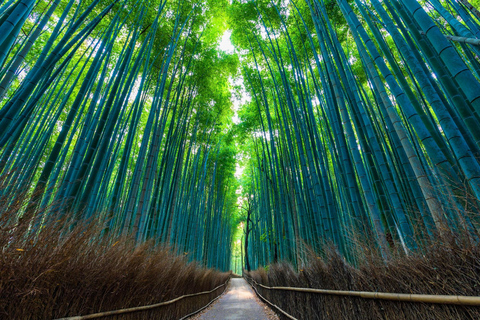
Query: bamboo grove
[[108, 114], [365, 118], [361, 126]]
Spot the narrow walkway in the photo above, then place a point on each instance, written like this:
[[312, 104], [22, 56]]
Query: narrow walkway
[[238, 303]]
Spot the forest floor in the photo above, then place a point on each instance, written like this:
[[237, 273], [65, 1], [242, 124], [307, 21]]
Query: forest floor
[[238, 303]]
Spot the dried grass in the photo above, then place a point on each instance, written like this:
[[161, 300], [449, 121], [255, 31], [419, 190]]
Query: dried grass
[[449, 267], [57, 273]]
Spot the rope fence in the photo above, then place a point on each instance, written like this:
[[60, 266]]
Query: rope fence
[[150, 307]]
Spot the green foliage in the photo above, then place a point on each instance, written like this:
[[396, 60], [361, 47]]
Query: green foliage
[[352, 124], [132, 125], [344, 137]]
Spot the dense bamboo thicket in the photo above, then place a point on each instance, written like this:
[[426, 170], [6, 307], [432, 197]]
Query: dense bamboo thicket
[[356, 124], [115, 166], [365, 123], [112, 111]]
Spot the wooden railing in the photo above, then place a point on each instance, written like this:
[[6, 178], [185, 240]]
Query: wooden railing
[[401, 297], [153, 306]]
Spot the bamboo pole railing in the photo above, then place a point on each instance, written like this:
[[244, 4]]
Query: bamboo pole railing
[[404, 297], [289, 316], [149, 307]]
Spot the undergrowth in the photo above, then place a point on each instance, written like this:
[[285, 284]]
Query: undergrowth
[[57, 272], [450, 267]]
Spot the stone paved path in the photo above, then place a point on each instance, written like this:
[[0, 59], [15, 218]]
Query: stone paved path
[[238, 303]]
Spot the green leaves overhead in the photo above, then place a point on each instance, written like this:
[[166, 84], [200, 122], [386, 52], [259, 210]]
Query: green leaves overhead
[[358, 121]]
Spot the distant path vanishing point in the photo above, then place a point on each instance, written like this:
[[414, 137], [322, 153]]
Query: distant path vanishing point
[[239, 303]]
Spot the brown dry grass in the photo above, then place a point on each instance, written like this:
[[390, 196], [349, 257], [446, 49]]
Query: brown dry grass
[[448, 267], [54, 273]]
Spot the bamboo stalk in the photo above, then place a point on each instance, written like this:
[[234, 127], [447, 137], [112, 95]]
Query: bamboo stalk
[[472, 8]]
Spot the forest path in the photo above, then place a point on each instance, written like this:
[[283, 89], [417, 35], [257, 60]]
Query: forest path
[[239, 303]]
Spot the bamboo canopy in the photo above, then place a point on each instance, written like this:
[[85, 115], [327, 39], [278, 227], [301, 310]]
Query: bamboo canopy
[[349, 123]]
